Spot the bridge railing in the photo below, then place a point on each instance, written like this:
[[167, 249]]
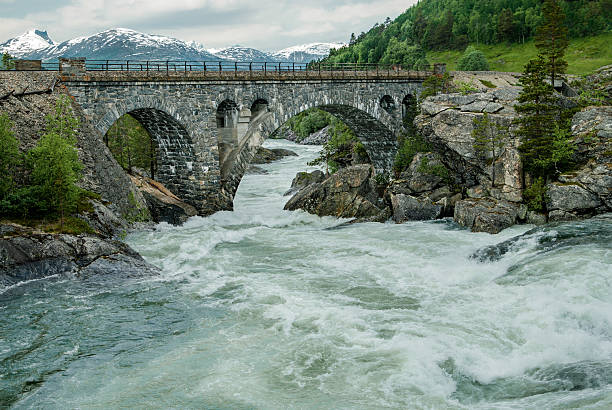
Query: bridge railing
[[255, 68]]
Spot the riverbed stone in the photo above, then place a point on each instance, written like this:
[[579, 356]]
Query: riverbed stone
[[349, 193], [408, 208], [486, 214]]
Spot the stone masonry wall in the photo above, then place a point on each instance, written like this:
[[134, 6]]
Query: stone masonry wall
[[181, 115]]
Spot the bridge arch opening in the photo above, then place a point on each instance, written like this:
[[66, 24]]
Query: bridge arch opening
[[166, 146], [376, 141], [258, 107], [387, 103]]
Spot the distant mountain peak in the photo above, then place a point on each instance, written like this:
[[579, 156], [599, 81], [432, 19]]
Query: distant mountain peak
[[121, 43], [26, 43]]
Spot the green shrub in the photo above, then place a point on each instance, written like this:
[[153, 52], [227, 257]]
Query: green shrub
[[473, 60], [466, 87], [409, 146], [535, 195]]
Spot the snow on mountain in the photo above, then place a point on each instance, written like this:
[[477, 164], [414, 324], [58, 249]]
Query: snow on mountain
[[26, 43], [306, 53], [239, 53], [124, 44]]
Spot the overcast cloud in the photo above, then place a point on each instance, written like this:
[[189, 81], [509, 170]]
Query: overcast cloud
[[263, 24]]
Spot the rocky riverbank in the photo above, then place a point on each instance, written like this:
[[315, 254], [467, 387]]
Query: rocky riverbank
[[453, 180], [27, 254]]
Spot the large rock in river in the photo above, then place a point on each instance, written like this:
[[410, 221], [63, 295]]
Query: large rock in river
[[349, 193], [267, 155], [488, 214]]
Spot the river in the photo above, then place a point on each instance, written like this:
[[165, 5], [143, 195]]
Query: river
[[262, 308]]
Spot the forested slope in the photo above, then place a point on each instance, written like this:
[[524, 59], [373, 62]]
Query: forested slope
[[441, 25]]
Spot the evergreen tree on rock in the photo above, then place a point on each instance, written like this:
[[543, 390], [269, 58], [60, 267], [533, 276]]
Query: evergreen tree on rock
[[537, 118], [551, 39]]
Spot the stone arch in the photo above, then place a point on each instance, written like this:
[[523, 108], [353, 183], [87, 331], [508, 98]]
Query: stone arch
[[177, 165]]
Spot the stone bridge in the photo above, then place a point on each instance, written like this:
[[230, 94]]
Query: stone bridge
[[208, 126]]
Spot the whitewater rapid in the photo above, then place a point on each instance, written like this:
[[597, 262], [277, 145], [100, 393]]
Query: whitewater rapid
[[268, 309]]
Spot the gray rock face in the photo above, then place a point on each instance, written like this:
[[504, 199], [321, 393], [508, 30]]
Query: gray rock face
[[447, 122], [588, 190], [26, 255], [421, 193], [317, 138], [486, 215], [349, 193], [408, 208], [303, 179]]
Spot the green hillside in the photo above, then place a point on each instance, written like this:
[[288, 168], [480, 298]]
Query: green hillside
[[439, 30], [584, 55]]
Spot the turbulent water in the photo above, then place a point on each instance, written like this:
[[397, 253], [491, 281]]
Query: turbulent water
[[263, 308]]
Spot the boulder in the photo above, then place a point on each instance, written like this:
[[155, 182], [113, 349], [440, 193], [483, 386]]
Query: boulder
[[349, 193], [266, 155], [162, 204], [26, 255], [303, 179], [408, 208], [570, 198], [486, 214]]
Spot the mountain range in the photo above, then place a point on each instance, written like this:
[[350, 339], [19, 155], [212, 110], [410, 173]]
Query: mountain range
[[126, 44]]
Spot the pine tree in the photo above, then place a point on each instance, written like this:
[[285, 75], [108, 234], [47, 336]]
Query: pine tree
[[7, 62], [551, 38], [489, 138], [537, 118], [55, 162]]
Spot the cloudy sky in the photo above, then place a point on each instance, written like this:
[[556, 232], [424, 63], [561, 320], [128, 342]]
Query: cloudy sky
[[263, 24]]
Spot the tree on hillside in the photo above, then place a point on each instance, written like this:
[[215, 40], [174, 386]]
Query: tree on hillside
[[551, 38], [537, 118], [505, 26], [473, 60], [55, 162], [9, 154]]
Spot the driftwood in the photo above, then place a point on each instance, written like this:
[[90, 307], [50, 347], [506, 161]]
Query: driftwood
[[24, 92]]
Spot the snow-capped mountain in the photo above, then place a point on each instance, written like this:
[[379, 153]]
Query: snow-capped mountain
[[239, 53], [122, 44], [26, 43], [306, 53], [126, 44]]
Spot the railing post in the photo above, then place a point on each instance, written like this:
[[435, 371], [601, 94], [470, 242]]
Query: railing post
[[107, 65], [147, 66], [265, 68], [204, 66], [185, 66], [167, 67], [127, 65], [220, 68], [235, 66]]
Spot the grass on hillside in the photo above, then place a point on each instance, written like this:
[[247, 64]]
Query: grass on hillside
[[584, 55]]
